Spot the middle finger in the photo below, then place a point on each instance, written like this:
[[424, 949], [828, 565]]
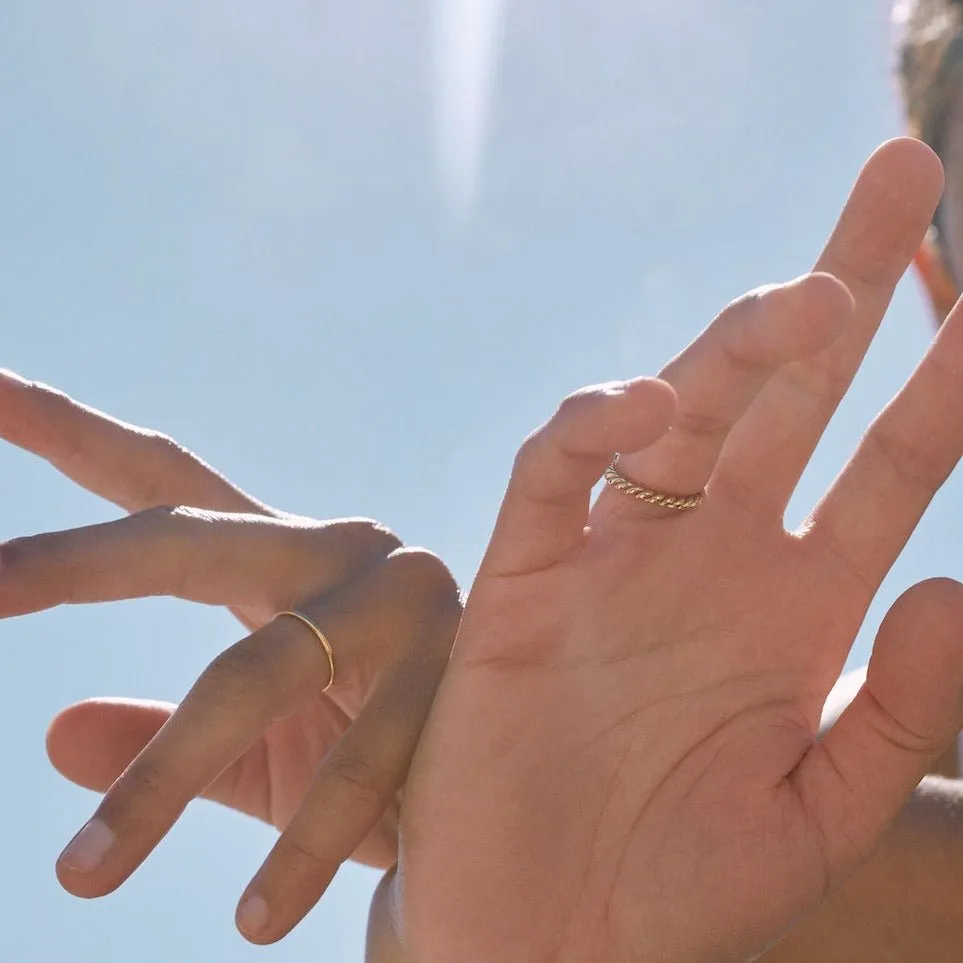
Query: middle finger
[[878, 234]]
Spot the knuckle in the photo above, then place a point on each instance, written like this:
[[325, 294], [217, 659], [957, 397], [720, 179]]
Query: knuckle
[[303, 847], [909, 458], [548, 444], [746, 351], [190, 514], [743, 309], [166, 446], [834, 546], [164, 452], [702, 425], [367, 786], [876, 268], [157, 513], [752, 300], [895, 732], [379, 535], [573, 404], [174, 532], [540, 454], [427, 575], [817, 382], [529, 452], [145, 780], [242, 671], [371, 537], [164, 516], [586, 395]]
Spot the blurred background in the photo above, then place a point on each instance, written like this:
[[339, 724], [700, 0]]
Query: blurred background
[[351, 254]]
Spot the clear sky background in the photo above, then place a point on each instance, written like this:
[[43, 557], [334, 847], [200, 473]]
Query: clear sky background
[[313, 243]]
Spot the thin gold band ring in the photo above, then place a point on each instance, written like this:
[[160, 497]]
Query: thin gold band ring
[[321, 637]]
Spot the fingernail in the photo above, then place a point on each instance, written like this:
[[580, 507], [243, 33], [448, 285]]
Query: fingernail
[[252, 915], [86, 851]]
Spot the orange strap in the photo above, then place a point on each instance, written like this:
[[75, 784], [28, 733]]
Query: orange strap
[[940, 287]]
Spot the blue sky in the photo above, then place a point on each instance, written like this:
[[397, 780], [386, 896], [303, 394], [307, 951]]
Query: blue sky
[[313, 243]]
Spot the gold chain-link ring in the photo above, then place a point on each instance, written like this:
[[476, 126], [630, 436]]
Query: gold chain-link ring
[[321, 637], [681, 503]]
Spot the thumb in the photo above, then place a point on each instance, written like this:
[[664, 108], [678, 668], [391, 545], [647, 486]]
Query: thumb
[[855, 781], [545, 509], [93, 742]]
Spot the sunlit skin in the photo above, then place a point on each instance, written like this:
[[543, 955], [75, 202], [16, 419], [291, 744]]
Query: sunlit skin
[[256, 728], [621, 763], [295, 558], [94, 742]]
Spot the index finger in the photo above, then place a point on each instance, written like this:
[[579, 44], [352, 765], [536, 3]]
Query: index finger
[[133, 467]]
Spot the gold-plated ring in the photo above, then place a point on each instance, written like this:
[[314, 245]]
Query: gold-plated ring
[[321, 637], [680, 503]]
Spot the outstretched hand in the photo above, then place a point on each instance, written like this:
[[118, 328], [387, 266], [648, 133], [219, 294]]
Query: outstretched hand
[[256, 732], [622, 762]]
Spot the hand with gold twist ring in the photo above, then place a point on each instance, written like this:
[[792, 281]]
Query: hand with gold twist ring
[[623, 761], [257, 732]]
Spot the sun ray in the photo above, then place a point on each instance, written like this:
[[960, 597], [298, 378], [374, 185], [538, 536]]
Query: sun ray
[[466, 42]]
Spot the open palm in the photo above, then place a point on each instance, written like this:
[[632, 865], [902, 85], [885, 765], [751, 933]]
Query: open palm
[[622, 762]]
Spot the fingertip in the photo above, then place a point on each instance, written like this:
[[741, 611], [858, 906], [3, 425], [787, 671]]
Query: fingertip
[[79, 866], [92, 741], [265, 916], [917, 660], [936, 602], [81, 885], [911, 157], [54, 738], [74, 727], [253, 919], [905, 172], [930, 614]]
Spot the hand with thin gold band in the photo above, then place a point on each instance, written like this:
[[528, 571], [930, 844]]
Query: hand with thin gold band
[[270, 728]]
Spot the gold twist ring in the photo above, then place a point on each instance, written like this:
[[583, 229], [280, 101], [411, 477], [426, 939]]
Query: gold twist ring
[[681, 503], [321, 637]]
